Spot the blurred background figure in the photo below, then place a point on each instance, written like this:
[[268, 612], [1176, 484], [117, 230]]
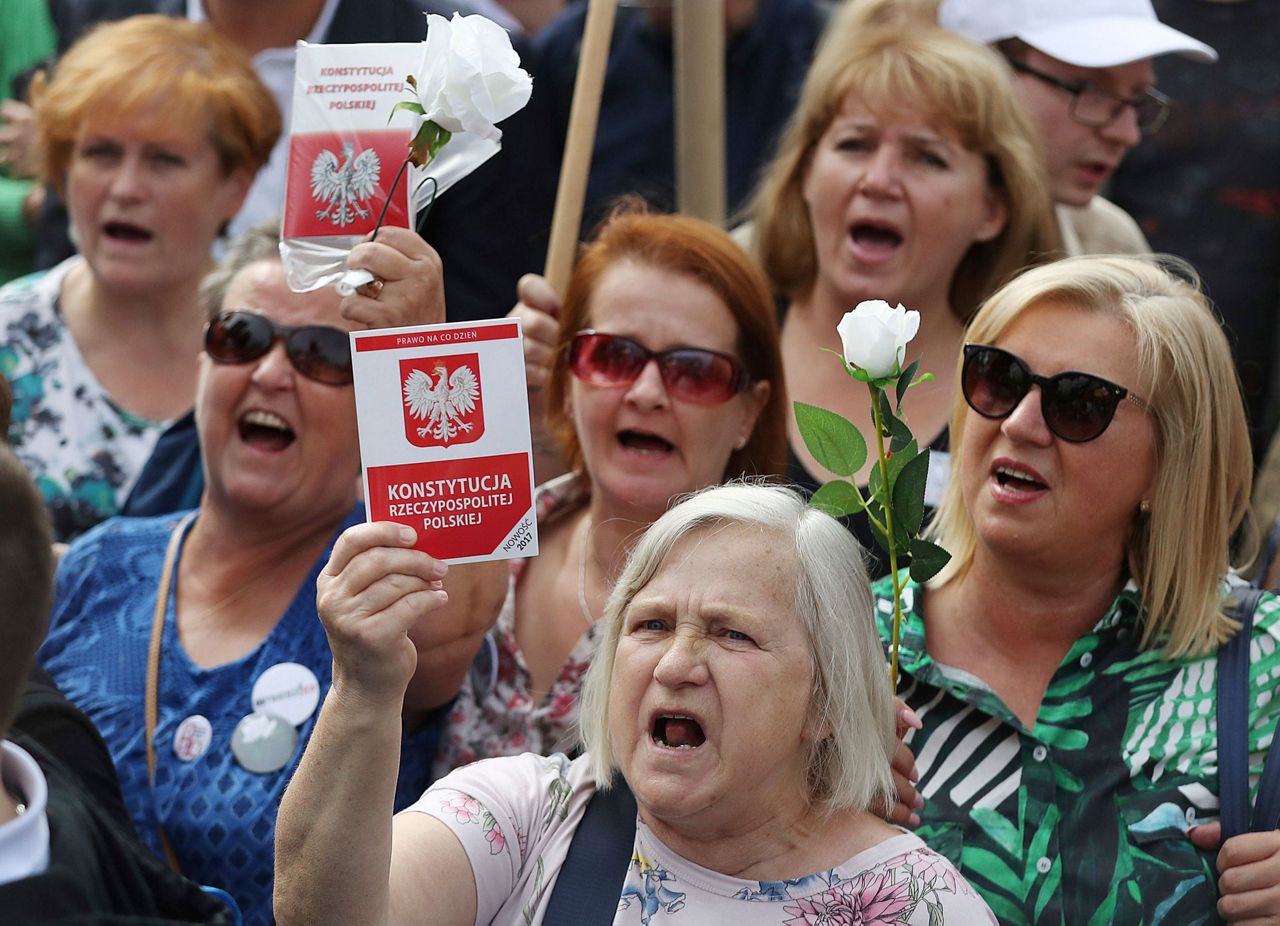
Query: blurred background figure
[[909, 173], [153, 130], [1207, 187], [489, 229], [768, 47], [66, 852], [26, 39], [1086, 76]]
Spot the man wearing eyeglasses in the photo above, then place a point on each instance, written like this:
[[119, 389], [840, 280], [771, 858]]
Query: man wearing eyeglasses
[[1084, 73]]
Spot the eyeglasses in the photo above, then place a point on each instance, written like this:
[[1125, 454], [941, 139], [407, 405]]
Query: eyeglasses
[[1077, 407], [1096, 107], [705, 377], [317, 352]]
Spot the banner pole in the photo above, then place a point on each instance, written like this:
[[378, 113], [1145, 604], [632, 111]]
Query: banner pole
[[584, 112]]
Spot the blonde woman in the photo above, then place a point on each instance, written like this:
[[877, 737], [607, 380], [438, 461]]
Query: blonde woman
[[1064, 662]]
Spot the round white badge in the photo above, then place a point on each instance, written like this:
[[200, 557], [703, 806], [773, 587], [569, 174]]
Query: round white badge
[[288, 690], [264, 742], [192, 738]]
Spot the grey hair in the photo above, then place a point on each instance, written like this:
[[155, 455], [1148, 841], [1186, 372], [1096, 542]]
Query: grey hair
[[261, 242], [852, 702]]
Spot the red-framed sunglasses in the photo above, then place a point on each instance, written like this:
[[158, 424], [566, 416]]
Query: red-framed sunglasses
[[705, 377]]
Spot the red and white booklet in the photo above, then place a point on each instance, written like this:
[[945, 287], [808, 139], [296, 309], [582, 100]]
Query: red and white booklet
[[444, 436], [345, 148]]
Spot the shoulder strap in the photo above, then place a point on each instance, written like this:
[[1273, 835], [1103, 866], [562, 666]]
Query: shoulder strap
[[1233, 733], [1233, 712], [590, 883]]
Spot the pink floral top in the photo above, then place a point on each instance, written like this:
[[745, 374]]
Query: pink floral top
[[494, 714], [516, 817]]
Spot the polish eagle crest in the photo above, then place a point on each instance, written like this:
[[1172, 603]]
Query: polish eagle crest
[[442, 404], [344, 183]]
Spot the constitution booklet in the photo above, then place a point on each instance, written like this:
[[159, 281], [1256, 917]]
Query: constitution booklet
[[444, 436]]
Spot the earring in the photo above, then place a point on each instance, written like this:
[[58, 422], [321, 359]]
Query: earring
[[742, 442], [1144, 506]]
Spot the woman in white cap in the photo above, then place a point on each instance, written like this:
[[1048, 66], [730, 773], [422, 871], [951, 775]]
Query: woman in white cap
[[1085, 78]]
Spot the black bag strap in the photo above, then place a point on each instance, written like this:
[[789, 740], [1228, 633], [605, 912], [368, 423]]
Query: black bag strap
[[590, 883], [1233, 733]]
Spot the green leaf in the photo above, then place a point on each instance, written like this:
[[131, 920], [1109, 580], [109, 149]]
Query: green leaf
[[837, 498], [858, 373], [908, 493], [927, 559], [408, 106], [833, 440], [900, 459], [905, 379], [886, 410], [900, 435]]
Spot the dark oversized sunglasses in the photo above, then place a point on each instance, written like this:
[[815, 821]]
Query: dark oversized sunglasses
[[706, 377], [1076, 407], [318, 352]]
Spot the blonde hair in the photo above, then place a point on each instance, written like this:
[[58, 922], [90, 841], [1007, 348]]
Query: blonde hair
[[943, 79], [1178, 553], [851, 701], [189, 74]]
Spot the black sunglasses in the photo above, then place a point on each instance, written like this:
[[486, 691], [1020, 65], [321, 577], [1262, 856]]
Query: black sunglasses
[[318, 352], [1077, 407], [706, 377], [1095, 107]]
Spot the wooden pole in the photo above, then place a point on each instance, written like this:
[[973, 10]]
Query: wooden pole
[[584, 112], [699, 78]]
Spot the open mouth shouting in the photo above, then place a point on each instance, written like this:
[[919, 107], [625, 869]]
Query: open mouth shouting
[[265, 431], [645, 443], [1015, 483], [126, 233], [676, 731], [875, 241]]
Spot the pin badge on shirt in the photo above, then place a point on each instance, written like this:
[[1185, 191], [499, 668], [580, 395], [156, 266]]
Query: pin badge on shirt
[[191, 739], [263, 742], [288, 690]]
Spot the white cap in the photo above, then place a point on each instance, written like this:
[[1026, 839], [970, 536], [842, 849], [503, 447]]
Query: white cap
[[1086, 33]]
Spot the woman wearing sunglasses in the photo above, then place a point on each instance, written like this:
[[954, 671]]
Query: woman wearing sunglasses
[[908, 173], [192, 641], [665, 379], [1064, 662]]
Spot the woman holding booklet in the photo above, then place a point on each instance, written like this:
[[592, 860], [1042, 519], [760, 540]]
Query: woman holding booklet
[[208, 619]]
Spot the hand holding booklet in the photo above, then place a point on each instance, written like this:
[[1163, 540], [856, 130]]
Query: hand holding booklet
[[444, 436]]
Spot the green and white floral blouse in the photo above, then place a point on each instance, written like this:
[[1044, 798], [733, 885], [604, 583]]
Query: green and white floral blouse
[[1081, 819]]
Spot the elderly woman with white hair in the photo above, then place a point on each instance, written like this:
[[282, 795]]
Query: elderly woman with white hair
[[1065, 663], [739, 693]]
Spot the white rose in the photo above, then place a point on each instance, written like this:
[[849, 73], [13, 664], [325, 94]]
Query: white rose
[[471, 76], [874, 336]]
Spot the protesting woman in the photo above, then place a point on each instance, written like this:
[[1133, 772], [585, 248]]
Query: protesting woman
[[1064, 663]]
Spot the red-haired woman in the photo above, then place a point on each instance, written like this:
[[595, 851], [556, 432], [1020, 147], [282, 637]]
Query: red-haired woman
[[152, 129], [665, 379]]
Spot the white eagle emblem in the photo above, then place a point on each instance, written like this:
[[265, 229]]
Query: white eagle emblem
[[444, 403], [344, 186]]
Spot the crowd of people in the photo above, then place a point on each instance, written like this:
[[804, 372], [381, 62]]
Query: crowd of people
[[680, 710]]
